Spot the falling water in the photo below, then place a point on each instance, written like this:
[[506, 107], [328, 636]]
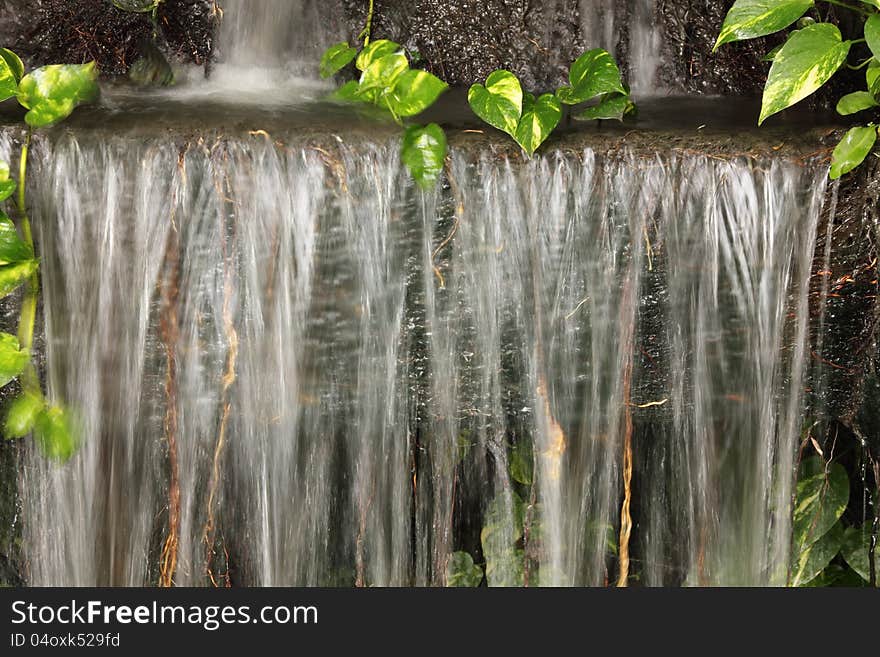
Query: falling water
[[629, 31], [343, 377]]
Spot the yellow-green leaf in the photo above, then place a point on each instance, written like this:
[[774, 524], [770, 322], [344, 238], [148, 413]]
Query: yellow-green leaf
[[383, 72], [22, 415], [54, 433], [424, 153], [612, 106], [539, 119], [822, 496], [814, 557], [852, 150], [8, 78], [414, 92], [13, 359], [13, 275], [749, 19], [335, 58], [7, 185], [807, 61], [51, 93], [594, 73], [872, 77], [12, 247], [374, 51], [499, 102]]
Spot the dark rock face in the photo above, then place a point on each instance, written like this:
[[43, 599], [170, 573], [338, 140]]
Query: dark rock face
[[463, 41], [61, 31]]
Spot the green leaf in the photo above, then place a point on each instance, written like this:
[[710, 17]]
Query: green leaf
[[872, 33], [13, 359], [54, 433], [424, 152], [749, 19], [873, 3], [7, 185], [51, 93], [22, 415], [336, 58], [852, 150], [612, 106], [594, 73], [539, 119], [383, 72], [13, 275], [8, 80], [414, 92], [836, 575], [872, 77], [347, 92], [499, 102], [374, 51], [814, 557], [857, 101], [12, 247], [856, 550], [820, 501], [462, 571], [14, 63], [807, 61]]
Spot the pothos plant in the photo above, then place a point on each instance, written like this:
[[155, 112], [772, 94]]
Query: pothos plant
[[388, 83], [810, 56], [50, 94], [594, 79]]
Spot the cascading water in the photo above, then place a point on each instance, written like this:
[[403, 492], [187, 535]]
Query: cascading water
[[292, 367]]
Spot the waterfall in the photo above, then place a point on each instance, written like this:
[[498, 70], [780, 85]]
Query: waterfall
[[353, 376]]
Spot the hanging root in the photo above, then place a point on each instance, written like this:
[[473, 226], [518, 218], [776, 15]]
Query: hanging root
[[209, 535], [170, 332], [625, 517]]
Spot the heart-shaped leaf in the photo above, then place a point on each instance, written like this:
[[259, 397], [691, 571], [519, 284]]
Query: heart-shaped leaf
[[335, 58], [414, 92], [822, 496], [852, 150], [612, 106], [12, 247], [749, 19], [807, 61], [594, 73], [22, 415], [857, 101], [11, 276], [424, 152], [499, 102], [374, 51], [51, 93], [54, 433], [382, 73], [13, 359], [538, 120]]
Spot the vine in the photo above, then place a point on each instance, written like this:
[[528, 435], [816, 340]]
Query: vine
[[50, 94]]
